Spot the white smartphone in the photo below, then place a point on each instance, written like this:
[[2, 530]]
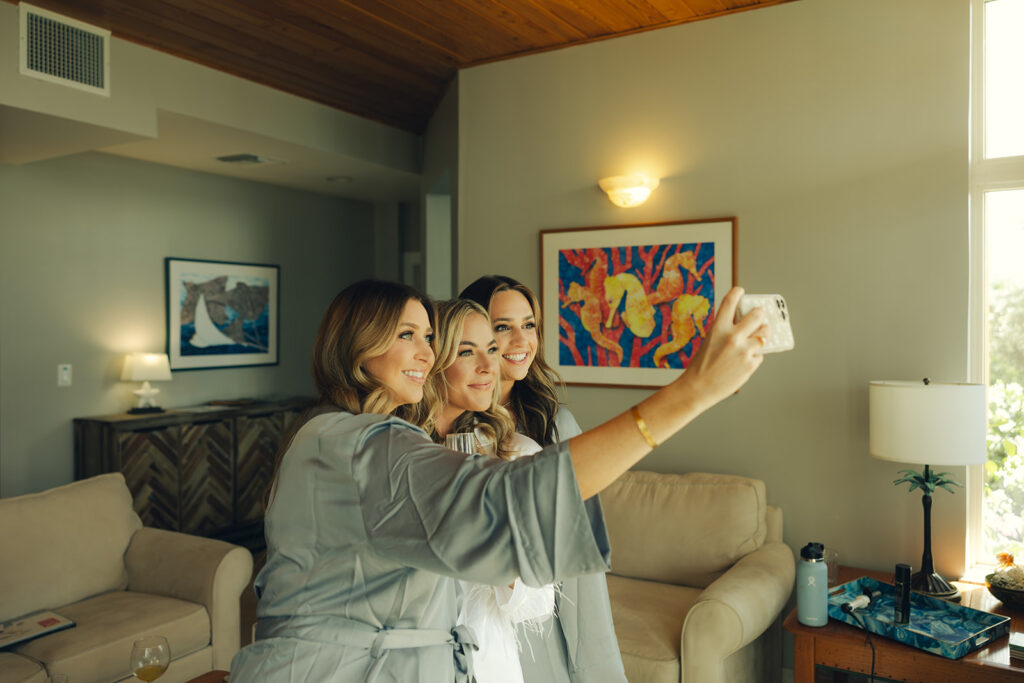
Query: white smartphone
[[780, 331]]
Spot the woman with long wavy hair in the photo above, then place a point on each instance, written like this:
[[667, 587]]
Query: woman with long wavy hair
[[466, 381], [582, 648], [370, 524]]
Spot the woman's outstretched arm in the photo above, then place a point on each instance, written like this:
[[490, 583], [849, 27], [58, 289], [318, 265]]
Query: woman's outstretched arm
[[726, 360]]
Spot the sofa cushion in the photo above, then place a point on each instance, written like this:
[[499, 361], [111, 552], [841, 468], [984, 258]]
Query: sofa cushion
[[97, 648], [648, 619], [70, 543], [17, 669], [684, 529]]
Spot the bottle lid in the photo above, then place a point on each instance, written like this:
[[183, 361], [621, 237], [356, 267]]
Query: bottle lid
[[902, 573], [813, 551]]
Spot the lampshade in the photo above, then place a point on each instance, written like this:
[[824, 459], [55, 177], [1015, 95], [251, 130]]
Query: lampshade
[[628, 190], [929, 424], [140, 367]]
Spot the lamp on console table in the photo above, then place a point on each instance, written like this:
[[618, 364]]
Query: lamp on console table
[[146, 367], [928, 423]]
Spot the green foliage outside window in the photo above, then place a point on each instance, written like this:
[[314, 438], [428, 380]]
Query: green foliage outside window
[[1004, 471]]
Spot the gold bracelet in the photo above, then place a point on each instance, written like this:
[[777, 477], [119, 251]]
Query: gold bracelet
[[642, 426]]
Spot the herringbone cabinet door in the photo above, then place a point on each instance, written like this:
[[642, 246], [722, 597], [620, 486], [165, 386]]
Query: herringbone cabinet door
[[206, 477], [149, 462], [258, 438]]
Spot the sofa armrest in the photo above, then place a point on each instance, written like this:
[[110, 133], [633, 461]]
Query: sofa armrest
[[203, 570], [735, 609]]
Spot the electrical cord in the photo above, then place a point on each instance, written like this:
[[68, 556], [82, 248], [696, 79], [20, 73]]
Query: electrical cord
[[861, 601], [867, 634]]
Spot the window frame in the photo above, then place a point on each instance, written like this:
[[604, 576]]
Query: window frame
[[985, 175]]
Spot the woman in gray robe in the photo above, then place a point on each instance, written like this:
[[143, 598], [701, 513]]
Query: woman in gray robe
[[369, 523]]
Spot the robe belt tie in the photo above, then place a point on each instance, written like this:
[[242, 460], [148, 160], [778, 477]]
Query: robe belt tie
[[342, 631]]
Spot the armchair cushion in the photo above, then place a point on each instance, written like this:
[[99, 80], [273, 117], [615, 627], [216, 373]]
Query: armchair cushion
[[199, 570], [704, 522], [52, 535], [648, 620], [20, 669], [97, 648]]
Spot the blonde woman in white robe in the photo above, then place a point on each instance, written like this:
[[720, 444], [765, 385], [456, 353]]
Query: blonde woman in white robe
[[467, 380]]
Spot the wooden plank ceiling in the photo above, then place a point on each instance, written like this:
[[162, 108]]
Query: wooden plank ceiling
[[386, 60]]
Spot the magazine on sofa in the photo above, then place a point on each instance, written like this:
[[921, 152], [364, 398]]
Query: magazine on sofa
[[31, 626]]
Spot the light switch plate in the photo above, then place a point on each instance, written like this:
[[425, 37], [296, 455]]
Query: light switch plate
[[64, 375]]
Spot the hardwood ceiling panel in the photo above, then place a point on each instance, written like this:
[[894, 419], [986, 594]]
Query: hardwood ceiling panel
[[386, 60], [379, 39], [539, 12], [435, 20], [623, 16], [675, 11]]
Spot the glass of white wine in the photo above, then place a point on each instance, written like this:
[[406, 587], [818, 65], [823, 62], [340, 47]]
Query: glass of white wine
[[464, 442], [151, 655]]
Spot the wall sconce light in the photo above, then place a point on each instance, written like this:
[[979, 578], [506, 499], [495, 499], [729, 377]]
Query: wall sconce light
[[628, 190], [145, 367]]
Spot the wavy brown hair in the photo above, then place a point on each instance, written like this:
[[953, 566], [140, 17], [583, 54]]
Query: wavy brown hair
[[495, 422], [533, 401], [360, 324]]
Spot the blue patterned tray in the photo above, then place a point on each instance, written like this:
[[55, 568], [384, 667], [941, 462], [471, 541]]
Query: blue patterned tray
[[936, 626]]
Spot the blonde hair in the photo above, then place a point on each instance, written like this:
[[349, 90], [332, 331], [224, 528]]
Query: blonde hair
[[533, 400], [495, 422]]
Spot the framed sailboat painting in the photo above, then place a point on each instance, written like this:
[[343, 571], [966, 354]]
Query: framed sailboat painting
[[221, 314]]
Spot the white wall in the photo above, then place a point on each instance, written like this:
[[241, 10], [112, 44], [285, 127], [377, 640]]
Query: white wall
[[82, 247], [837, 133]]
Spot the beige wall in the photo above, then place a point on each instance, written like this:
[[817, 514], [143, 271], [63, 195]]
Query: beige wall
[[837, 133], [82, 247]]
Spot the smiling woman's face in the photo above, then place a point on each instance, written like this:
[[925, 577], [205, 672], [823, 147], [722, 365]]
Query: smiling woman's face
[[404, 366], [515, 328], [473, 375]]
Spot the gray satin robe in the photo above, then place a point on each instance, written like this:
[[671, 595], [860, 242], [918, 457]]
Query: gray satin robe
[[581, 646], [369, 526]]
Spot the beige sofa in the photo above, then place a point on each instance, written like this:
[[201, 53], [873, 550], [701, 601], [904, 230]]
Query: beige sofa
[[699, 577], [81, 551]]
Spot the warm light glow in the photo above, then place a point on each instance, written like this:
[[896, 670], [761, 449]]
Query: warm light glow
[[628, 190], [140, 367]]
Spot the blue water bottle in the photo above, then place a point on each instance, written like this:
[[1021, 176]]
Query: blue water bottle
[[812, 586]]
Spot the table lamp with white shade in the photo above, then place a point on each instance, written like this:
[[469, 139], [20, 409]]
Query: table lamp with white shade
[[146, 368], [929, 423]]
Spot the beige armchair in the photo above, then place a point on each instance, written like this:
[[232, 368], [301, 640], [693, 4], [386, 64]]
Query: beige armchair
[[699, 577], [81, 551]]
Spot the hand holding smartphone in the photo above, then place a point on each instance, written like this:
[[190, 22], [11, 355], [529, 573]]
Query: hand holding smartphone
[[780, 332]]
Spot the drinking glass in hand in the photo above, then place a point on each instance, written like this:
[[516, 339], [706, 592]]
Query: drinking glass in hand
[[151, 656], [464, 442]]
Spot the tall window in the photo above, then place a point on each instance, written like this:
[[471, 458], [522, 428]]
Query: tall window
[[997, 199]]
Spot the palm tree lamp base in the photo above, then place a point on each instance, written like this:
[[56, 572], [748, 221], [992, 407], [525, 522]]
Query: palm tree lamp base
[[934, 586]]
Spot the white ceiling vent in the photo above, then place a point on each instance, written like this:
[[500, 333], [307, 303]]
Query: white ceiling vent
[[62, 50]]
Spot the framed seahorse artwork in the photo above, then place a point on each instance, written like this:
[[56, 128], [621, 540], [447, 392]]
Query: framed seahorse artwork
[[221, 314], [629, 305]]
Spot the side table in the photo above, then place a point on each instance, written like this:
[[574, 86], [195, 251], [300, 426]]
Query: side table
[[843, 647]]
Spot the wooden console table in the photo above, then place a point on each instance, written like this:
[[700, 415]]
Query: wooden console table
[[843, 647], [201, 470]]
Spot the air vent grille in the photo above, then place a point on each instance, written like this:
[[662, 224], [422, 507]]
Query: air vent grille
[[62, 50]]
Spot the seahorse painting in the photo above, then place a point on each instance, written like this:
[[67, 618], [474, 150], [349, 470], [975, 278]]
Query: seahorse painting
[[638, 306], [689, 312]]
